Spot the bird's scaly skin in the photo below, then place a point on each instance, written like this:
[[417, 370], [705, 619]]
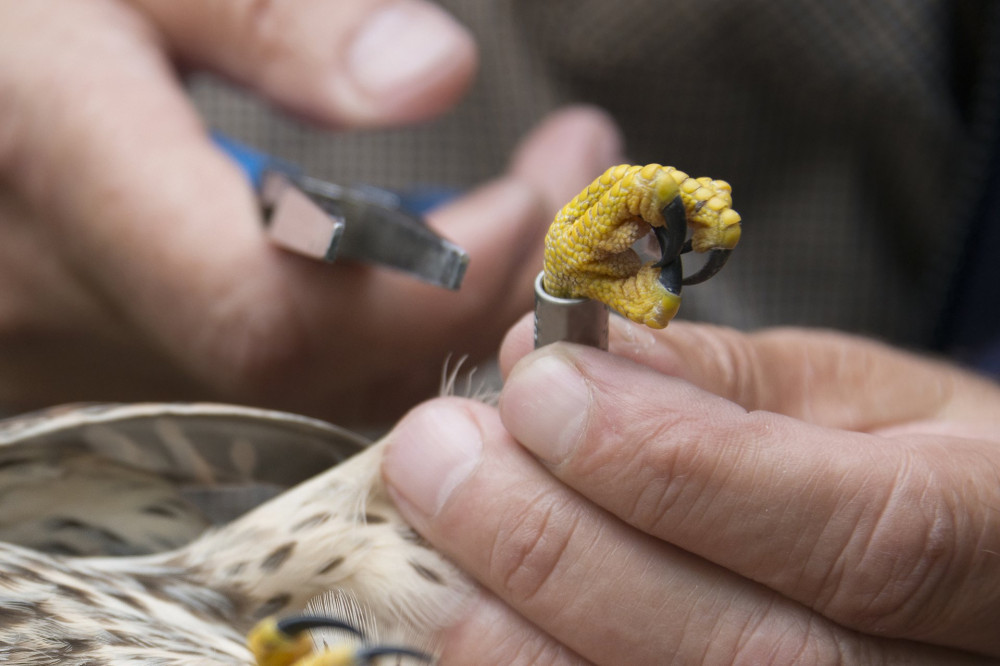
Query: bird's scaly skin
[[588, 247], [273, 646]]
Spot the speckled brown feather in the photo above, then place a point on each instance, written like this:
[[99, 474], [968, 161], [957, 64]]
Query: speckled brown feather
[[192, 605]]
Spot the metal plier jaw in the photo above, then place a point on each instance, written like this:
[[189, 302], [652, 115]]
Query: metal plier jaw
[[330, 222]]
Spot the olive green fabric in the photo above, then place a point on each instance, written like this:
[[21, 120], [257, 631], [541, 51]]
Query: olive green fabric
[[840, 124]]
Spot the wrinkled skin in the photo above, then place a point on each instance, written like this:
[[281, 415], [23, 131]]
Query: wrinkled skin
[[132, 263], [708, 496]]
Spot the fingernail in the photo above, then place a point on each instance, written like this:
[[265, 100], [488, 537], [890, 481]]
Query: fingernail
[[430, 453], [401, 44], [544, 405]]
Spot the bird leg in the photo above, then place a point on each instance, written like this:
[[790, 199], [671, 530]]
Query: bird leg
[[588, 249]]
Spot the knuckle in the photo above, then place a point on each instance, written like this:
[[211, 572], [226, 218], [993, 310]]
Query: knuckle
[[678, 470], [768, 637], [670, 478], [734, 362], [535, 653], [791, 647], [892, 571], [527, 553]]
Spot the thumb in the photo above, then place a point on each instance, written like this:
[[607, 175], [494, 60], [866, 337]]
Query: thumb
[[350, 62], [822, 377]]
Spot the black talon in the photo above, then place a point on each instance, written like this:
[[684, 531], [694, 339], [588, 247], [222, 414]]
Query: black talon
[[368, 654], [299, 623], [670, 236], [716, 260], [671, 276]]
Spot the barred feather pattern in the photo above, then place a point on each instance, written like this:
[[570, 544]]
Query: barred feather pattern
[[335, 532]]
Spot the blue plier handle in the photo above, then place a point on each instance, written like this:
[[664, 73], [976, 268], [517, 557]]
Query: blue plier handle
[[330, 222], [253, 162]]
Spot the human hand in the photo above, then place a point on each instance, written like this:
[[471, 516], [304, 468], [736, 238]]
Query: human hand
[[705, 496], [132, 261]]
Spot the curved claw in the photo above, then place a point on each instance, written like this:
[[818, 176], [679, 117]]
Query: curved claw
[[670, 236], [281, 642], [295, 625], [716, 260], [367, 655], [285, 643], [588, 247], [672, 276]]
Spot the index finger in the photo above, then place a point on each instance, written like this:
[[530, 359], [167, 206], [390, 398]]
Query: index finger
[[351, 62], [818, 376]]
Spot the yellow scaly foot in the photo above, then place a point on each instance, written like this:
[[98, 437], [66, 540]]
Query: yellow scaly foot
[[588, 247]]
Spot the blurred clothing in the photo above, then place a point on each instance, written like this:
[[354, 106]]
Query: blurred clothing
[[856, 135]]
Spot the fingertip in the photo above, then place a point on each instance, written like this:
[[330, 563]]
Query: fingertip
[[407, 62], [546, 404], [430, 453], [491, 221], [588, 132], [568, 150], [350, 63], [501, 225], [517, 344]]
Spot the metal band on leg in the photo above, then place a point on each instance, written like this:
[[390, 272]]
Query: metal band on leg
[[579, 320]]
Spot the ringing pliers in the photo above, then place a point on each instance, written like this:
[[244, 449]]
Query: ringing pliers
[[330, 222]]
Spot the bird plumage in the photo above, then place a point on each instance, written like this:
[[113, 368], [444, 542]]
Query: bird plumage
[[194, 604]]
